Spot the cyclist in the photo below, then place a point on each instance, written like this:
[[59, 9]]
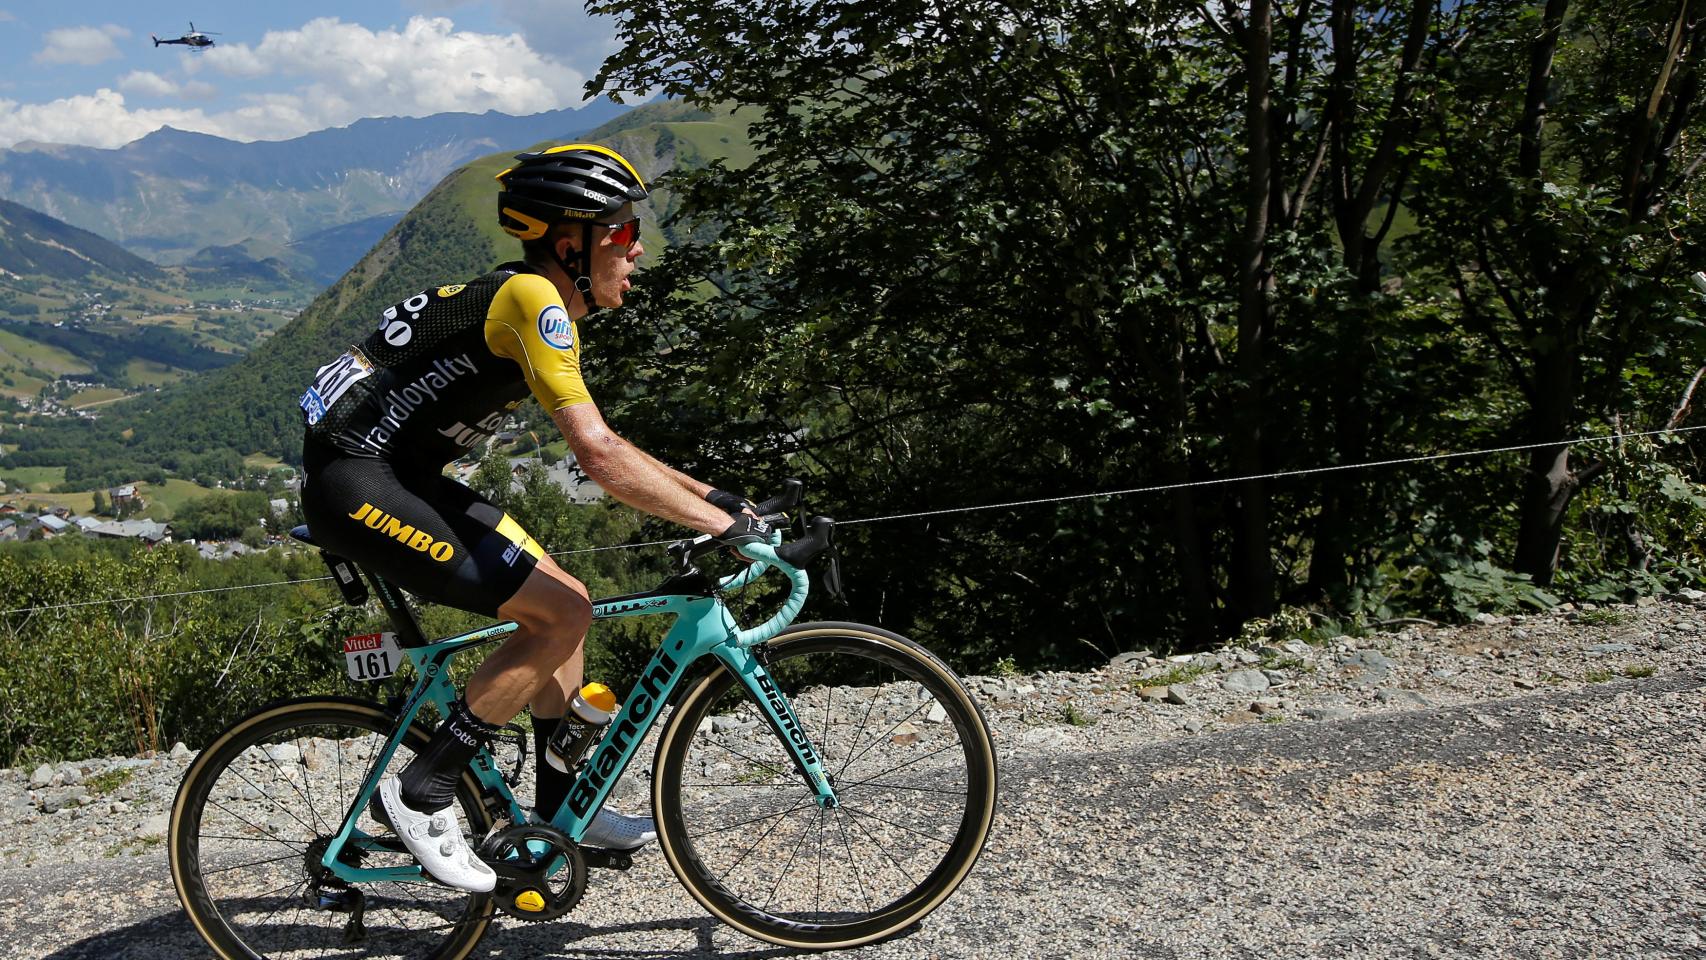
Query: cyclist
[[436, 377]]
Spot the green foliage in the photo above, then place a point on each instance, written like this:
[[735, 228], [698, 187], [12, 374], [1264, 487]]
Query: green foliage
[[131, 676]]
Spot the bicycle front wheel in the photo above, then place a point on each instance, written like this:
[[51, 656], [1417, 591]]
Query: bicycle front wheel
[[908, 753], [251, 823]]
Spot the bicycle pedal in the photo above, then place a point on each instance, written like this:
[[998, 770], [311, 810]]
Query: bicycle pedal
[[607, 859]]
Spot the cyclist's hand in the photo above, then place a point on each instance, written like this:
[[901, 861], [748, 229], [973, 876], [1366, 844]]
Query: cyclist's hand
[[732, 504], [746, 529]]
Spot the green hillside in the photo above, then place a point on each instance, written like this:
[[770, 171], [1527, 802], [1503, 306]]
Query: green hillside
[[32, 242], [451, 234]]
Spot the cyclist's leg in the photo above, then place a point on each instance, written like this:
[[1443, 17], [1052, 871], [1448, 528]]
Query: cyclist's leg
[[441, 541]]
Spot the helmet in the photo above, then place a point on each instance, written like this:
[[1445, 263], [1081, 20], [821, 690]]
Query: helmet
[[576, 181]]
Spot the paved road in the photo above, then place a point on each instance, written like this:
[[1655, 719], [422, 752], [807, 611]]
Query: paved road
[[1565, 824]]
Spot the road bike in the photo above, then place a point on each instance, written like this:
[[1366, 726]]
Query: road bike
[[818, 785]]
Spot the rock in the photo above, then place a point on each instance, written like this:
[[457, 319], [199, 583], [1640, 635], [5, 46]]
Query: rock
[[71, 774], [1689, 593], [1601, 649], [935, 714], [1127, 659], [1205, 661], [1401, 698], [725, 724], [1245, 681], [1176, 695], [1192, 725], [1490, 619], [1277, 678], [1328, 713], [42, 776], [119, 806], [1297, 646], [154, 826], [1152, 694], [1265, 706], [179, 751], [60, 798], [1366, 667], [283, 753]]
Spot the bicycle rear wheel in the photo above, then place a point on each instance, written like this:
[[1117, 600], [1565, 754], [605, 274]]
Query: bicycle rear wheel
[[911, 760], [251, 822]]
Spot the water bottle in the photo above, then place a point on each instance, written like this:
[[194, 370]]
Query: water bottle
[[588, 714]]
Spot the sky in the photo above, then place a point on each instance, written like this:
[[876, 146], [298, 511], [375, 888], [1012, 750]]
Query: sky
[[87, 73]]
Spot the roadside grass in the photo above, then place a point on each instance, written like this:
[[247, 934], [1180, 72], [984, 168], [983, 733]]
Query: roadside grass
[[1639, 672], [109, 780], [1603, 618], [1181, 674]]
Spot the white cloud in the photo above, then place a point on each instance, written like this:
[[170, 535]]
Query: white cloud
[[426, 67], [326, 73], [6, 16], [147, 83], [82, 45], [558, 31], [100, 119]]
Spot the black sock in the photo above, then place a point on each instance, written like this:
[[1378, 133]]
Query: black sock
[[429, 781], [553, 784]]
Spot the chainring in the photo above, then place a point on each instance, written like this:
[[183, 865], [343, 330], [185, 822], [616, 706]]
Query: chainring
[[541, 872]]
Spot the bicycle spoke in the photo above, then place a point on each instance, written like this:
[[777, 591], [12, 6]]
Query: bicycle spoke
[[308, 786], [883, 849], [257, 863], [882, 739], [784, 872], [286, 777], [288, 843], [898, 826], [269, 797], [237, 816], [749, 850], [858, 874], [768, 816]]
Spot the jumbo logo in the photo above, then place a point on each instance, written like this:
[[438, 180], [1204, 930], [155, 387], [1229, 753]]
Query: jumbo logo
[[555, 328], [403, 533]]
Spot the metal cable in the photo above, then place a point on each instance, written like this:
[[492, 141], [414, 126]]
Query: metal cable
[[1008, 505]]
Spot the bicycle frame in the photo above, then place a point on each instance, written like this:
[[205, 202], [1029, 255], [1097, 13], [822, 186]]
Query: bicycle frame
[[703, 627]]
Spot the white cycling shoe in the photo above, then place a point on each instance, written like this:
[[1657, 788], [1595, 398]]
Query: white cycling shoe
[[436, 841], [618, 831]]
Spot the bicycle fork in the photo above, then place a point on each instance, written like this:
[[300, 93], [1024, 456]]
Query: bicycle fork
[[779, 713]]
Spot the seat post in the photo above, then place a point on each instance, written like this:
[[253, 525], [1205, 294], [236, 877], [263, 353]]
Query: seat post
[[397, 606]]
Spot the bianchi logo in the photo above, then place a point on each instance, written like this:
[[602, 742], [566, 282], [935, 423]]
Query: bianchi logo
[[555, 328]]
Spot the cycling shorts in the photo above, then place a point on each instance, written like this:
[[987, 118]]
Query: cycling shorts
[[422, 531]]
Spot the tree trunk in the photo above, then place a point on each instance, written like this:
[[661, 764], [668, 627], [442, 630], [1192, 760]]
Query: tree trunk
[[1194, 578], [1549, 484], [1253, 576]]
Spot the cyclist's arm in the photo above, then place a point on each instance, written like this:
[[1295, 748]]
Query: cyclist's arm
[[633, 476], [527, 324]]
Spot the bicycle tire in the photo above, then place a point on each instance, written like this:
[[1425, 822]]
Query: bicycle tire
[[704, 776], [225, 816]]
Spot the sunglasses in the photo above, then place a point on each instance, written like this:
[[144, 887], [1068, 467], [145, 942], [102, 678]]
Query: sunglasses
[[623, 234]]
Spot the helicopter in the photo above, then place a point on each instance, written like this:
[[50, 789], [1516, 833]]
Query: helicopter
[[195, 39]]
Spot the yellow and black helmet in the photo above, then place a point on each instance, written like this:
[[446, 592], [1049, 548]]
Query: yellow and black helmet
[[577, 181]]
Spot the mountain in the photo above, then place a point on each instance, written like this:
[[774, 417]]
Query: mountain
[[32, 242], [173, 193], [452, 234]]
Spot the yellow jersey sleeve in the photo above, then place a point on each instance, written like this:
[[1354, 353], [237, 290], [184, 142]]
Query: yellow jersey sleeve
[[528, 324]]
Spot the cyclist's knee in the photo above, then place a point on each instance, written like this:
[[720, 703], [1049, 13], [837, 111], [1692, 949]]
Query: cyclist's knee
[[552, 608]]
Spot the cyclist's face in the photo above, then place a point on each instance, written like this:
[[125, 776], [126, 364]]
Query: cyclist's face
[[612, 263]]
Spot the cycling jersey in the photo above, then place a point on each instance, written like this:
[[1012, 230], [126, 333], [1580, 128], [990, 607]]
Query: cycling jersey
[[434, 379], [444, 366]]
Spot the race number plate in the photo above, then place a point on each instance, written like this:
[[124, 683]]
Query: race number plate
[[372, 656]]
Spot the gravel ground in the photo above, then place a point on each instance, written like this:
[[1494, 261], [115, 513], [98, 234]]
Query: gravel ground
[[1528, 787]]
